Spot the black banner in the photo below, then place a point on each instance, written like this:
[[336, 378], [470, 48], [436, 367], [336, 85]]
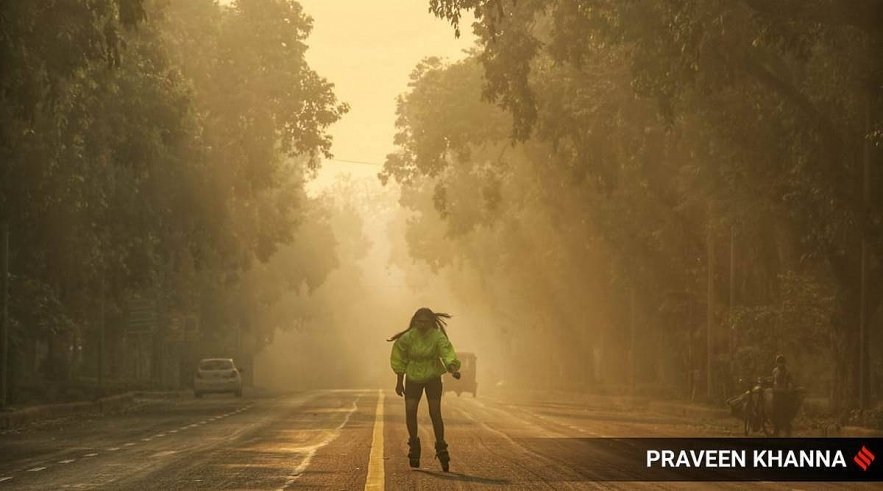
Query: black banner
[[716, 459]]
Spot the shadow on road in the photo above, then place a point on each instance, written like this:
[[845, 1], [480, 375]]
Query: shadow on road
[[456, 476]]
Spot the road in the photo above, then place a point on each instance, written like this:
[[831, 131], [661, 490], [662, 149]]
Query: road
[[349, 440]]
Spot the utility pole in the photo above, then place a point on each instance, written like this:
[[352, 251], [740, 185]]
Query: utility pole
[[691, 354], [101, 335], [732, 332], [4, 313], [632, 355], [864, 352]]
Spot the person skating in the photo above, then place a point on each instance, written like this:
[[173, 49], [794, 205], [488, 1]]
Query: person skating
[[421, 354]]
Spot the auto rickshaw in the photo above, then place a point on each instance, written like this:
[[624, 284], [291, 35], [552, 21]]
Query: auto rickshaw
[[467, 382]]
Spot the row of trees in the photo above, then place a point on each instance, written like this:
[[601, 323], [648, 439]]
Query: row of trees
[[630, 176], [158, 149]]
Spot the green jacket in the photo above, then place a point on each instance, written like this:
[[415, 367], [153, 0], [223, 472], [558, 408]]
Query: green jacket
[[422, 357]]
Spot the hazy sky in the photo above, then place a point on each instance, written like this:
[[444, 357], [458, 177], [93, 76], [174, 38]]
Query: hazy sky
[[368, 49]]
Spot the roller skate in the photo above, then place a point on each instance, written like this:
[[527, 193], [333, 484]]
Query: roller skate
[[441, 453], [414, 452]]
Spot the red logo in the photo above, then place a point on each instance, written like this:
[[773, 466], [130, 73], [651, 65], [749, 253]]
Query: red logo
[[863, 458]]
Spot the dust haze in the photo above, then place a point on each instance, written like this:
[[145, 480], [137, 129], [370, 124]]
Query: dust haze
[[652, 198]]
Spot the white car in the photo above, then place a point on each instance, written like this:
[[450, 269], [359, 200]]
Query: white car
[[217, 375]]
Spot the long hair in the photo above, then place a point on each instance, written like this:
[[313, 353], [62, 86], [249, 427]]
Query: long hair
[[425, 313]]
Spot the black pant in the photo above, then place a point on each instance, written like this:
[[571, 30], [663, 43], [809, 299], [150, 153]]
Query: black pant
[[414, 390], [413, 393]]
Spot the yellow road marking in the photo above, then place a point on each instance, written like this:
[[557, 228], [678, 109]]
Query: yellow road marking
[[376, 480]]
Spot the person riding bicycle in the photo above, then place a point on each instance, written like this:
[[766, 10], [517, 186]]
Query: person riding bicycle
[[781, 377]]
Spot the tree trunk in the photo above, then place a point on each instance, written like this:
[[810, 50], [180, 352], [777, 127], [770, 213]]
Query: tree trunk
[[845, 337], [709, 320]]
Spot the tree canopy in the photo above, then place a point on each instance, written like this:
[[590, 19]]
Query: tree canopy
[[644, 135], [159, 148]]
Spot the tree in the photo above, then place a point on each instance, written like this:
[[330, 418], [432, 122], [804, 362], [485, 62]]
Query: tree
[[745, 132], [158, 149]]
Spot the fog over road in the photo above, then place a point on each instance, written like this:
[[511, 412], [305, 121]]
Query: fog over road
[[323, 440]]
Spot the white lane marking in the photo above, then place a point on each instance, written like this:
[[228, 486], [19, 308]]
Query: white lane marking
[[5, 478], [67, 461], [146, 439], [173, 431], [36, 469], [312, 449], [128, 444], [90, 455], [488, 428], [113, 449], [160, 435], [376, 479], [553, 433], [163, 454]]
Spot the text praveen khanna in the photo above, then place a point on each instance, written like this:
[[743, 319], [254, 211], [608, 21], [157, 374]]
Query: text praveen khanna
[[738, 458]]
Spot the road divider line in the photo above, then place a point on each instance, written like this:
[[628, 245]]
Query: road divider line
[[376, 480], [90, 455], [5, 478], [36, 469], [311, 450], [67, 461]]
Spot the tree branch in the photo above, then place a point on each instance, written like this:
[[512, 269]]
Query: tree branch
[[800, 100], [863, 14]]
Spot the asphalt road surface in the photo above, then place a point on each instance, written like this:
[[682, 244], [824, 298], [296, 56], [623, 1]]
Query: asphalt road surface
[[350, 440]]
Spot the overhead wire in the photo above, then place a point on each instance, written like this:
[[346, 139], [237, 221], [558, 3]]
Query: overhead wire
[[355, 162]]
